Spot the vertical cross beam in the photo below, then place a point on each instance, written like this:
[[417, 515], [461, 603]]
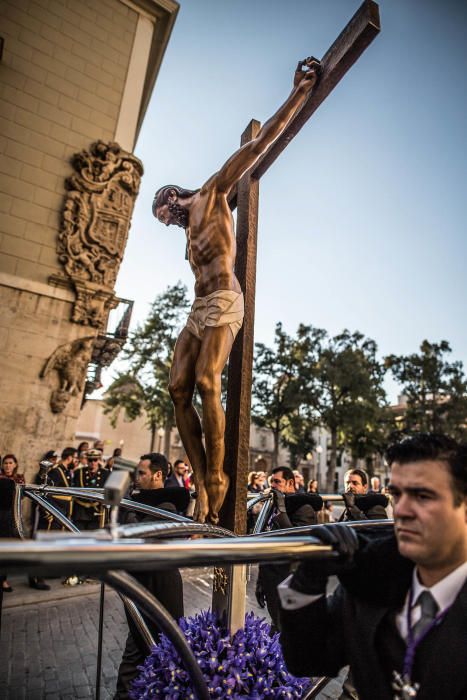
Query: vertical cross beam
[[237, 430], [229, 599]]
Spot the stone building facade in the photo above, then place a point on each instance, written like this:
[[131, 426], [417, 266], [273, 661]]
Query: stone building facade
[[75, 81]]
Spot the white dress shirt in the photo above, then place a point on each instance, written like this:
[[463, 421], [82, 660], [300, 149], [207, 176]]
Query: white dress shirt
[[444, 592]]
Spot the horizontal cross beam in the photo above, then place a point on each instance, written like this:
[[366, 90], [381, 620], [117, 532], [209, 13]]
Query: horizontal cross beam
[[347, 48]]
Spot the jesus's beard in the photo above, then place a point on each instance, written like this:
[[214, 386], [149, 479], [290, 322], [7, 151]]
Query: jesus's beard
[[179, 213]]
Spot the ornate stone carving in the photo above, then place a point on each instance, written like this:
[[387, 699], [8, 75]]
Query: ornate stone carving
[[70, 361], [95, 223]]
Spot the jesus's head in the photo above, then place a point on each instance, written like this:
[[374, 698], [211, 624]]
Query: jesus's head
[[168, 205]]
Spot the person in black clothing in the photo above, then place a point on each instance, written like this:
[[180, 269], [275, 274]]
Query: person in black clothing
[[359, 504], [178, 475], [399, 615], [290, 509], [61, 475], [166, 586], [89, 515]]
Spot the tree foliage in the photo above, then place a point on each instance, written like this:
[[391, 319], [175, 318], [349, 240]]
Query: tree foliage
[[143, 387], [274, 388], [313, 379], [342, 382], [435, 389]]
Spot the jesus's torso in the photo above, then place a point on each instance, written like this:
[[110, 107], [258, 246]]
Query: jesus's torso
[[211, 244]]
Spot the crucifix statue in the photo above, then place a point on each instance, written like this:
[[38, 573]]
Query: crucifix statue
[[204, 344], [212, 252]]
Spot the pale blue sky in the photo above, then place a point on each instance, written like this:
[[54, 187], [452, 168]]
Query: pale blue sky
[[362, 218]]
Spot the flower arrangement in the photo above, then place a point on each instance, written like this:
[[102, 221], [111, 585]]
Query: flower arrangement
[[247, 665]]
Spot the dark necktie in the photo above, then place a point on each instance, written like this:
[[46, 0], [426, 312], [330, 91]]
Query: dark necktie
[[429, 608]]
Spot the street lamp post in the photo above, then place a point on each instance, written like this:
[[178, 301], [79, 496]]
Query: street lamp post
[[160, 435], [319, 450]]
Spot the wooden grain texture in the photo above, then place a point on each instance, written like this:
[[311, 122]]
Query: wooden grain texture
[[237, 433]]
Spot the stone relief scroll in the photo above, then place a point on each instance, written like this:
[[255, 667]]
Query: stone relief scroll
[[95, 223]]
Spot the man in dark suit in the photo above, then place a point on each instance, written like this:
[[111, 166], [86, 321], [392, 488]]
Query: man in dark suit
[[399, 615], [359, 504], [61, 475], [166, 586], [290, 509], [177, 477]]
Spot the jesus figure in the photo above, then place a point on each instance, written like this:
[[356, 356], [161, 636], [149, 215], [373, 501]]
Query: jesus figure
[[204, 344]]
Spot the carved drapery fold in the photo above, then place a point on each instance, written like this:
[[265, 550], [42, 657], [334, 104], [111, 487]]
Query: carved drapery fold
[[95, 223]]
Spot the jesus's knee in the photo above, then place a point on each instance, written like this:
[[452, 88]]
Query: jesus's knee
[[208, 384], [180, 393]]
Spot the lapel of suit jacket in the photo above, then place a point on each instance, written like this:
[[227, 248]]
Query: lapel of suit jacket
[[444, 655], [368, 617]]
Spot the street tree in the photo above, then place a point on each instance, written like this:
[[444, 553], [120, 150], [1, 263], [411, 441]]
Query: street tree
[[274, 388], [342, 384], [435, 390], [372, 437]]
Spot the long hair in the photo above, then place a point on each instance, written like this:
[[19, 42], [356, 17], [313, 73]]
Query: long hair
[[163, 193], [11, 456]]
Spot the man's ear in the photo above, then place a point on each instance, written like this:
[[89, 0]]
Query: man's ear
[[173, 196]]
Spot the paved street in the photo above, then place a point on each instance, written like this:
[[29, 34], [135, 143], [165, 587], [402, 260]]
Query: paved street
[[48, 642]]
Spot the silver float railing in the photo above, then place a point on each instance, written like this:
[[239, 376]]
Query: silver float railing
[[86, 553], [31, 490]]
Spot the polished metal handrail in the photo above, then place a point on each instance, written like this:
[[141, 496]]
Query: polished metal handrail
[[98, 495], [308, 529], [85, 553], [53, 510], [169, 530]]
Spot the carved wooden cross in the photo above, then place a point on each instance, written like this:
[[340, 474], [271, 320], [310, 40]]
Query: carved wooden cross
[[349, 45]]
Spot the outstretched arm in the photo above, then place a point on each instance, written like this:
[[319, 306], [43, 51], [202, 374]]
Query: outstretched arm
[[246, 157]]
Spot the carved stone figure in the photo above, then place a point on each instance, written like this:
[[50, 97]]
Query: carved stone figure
[[70, 361], [95, 223]]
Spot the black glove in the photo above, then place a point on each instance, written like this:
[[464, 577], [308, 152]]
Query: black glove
[[281, 520], [353, 510], [259, 593], [312, 574], [349, 499], [278, 499]]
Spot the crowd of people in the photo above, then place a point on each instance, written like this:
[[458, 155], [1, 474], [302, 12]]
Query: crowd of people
[[84, 466]]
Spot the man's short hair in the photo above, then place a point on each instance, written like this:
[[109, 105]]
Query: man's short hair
[[434, 447], [157, 462], [68, 452], [178, 461], [287, 473], [357, 472]]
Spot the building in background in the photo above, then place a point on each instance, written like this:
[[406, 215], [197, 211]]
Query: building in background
[[75, 82], [135, 438]]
